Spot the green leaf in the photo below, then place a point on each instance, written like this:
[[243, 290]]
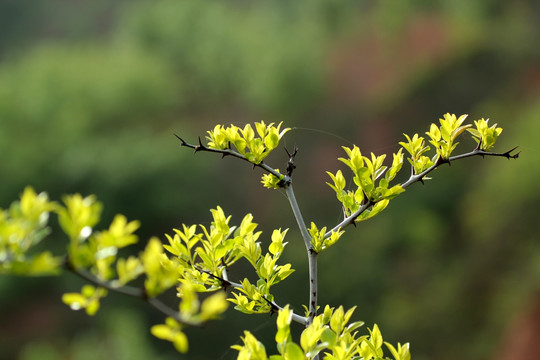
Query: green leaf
[[75, 301], [171, 331], [271, 181], [271, 141], [79, 216], [377, 208], [328, 336], [92, 306], [162, 331], [293, 352], [213, 306], [161, 272], [120, 233], [128, 269], [376, 336], [180, 342], [88, 299], [252, 348], [42, 264], [312, 334], [337, 321]]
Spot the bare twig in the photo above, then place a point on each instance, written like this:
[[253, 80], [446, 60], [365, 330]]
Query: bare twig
[[477, 152], [312, 254]]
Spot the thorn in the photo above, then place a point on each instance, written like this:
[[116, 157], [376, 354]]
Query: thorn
[[366, 199], [290, 163], [440, 161], [508, 153], [182, 140], [479, 144], [295, 151], [200, 146]]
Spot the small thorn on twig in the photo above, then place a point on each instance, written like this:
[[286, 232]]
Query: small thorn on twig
[[509, 155], [365, 199], [290, 164], [199, 147], [479, 145], [440, 161], [182, 140], [273, 307]]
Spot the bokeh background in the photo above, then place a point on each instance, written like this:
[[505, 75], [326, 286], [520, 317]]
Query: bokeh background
[[91, 93]]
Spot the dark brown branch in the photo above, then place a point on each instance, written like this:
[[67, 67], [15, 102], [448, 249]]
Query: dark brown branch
[[418, 177], [229, 152]]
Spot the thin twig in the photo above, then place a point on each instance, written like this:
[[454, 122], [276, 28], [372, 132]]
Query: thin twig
[[275, 307], [477, 152], [229, 152], [419, 178], [132, 292]]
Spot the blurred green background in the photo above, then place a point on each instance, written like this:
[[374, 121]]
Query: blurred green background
[[91, 93]]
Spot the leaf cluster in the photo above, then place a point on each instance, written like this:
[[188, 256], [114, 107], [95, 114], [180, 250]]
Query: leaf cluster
[[371, 179], [330, 334], [94, 255], [254, 145], [22, 227], [196, 258], [207, 255]]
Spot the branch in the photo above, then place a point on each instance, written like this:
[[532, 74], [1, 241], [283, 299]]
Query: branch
[[419, 177], [312, 255], [476, 152], [298, 216], [286, 183], [350, 219], [229, 152], [130, 291], [290, 163], [275, 307]]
